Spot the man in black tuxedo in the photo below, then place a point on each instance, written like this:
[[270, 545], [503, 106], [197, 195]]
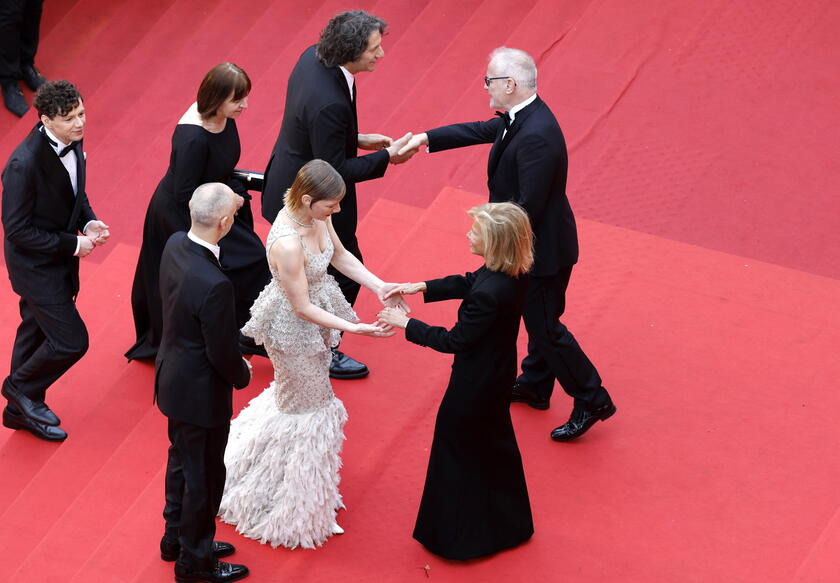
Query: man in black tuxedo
[[197, 363], [528, 165], [319, 121], [20, 22], [45, 207]]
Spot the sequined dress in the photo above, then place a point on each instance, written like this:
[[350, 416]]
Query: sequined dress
[[282, 456]]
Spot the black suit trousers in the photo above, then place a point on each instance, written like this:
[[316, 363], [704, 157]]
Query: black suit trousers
[[195, 481], [553, 352], [50, 339], [20, 21]]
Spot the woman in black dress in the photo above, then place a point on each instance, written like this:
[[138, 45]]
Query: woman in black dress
[[205, 148], [475, 501]]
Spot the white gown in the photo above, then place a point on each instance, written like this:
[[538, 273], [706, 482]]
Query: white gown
[[282, 456]]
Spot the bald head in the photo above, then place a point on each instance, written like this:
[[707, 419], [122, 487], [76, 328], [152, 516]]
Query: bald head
[[210, 203]]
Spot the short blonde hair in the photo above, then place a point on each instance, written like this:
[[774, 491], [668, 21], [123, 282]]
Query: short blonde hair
[[317, 179], [505, 229]]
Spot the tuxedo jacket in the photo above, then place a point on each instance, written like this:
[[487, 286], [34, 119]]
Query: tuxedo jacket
[[319, 121], [41, 220], [198, 360], [528, 166], [484, 338]]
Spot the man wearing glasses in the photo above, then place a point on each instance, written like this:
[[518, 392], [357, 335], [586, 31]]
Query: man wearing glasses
[[528, 165]]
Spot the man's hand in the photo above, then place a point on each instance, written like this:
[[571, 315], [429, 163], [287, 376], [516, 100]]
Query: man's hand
[[86, 245], [396, 147], [98, 233], [413, 145], [373, 141]]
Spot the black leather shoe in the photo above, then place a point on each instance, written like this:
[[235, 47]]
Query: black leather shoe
[[170, 549], [520, 394], [580, 422], [248, 346], [39, 430], [32, 77], [344, 367], [221, 573], [35, 410], [13, 98]]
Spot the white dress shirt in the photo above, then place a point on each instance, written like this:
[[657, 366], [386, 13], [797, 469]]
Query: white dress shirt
[[196, 239], [68, 161], [518, 107], [70, 164], [350, 80]]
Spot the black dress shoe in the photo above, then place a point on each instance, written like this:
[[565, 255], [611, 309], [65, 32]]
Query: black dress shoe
[[13, 98], [580, 422], [170, 549], [35, 410], [221, 573], [520, 394], [344, 367], [248, 346], [32, 77], [39, 430]]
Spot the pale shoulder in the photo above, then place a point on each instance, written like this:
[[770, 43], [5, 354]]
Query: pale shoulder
[[191, 116]]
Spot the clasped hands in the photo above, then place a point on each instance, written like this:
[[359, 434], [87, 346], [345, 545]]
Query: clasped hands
[[395, 312], [399, 150], [96, 234]]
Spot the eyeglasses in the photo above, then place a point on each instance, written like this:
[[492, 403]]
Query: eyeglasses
[[488, 79]]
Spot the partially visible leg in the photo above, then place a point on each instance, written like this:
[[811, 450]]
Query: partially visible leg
[[65, 341], [11, 23], [343, 366], [197, 525], [174, 488], [30, 32]]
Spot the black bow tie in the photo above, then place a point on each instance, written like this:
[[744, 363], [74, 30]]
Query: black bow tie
[[65, 150], [505, 118]]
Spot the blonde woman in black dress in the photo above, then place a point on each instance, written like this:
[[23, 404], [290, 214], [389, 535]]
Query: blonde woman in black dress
[[475, 501]]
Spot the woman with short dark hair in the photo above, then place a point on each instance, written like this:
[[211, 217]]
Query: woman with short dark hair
[[475, 501], [205, 148]]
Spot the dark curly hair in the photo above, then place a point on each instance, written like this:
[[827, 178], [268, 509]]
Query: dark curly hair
[[345, 37], [56, 98]]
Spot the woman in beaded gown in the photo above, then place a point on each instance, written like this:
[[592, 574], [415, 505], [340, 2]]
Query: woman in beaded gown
[[282, 456]]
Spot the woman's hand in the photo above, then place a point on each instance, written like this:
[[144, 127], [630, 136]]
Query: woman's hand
[[390, 290], [378, 330], [393, 317]]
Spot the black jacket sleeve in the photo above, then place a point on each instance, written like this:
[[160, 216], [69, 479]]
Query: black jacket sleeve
[[221, 336], [477, 316], [19, 198], [328, 135], [464, 134], [453, 287]]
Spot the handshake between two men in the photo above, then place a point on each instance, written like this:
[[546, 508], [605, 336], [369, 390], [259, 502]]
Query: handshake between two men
[[400, 150]]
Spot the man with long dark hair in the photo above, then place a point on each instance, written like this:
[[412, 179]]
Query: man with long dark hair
[[319, 121]]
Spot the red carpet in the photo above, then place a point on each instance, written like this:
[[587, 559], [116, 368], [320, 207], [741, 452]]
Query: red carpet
[[703, 169]]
